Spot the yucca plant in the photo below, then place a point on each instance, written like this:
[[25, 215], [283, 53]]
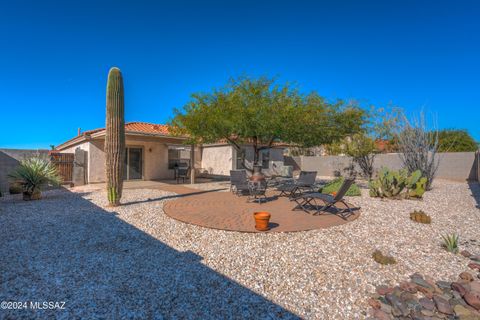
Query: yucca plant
[[32, 174], [450, 242]]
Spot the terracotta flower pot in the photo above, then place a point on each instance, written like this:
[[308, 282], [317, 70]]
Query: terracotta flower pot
[[261, 221]]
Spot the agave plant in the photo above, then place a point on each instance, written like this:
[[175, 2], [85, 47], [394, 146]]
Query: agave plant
[[450, 242], [32, 174]]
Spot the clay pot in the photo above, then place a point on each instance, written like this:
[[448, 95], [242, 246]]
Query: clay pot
[[257, 174], [261, 221], [36, 195]]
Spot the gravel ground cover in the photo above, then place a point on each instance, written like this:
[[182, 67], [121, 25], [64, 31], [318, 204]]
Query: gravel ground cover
[[135, 262]]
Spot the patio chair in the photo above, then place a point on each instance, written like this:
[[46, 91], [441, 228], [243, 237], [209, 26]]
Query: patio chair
[[306, 201], [239, 182], [305, 181], [182, 173]]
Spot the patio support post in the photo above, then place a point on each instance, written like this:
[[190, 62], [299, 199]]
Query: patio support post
[[192, 164]]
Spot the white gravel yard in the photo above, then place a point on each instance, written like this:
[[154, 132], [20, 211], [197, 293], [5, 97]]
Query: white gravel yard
[[135, 262]]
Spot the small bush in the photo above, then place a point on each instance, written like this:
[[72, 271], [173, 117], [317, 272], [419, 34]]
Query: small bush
[[334, 186], [421, 217], [382, 259], [32, 174], [450, 242]]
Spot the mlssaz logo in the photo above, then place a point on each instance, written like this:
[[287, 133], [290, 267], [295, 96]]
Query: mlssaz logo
[[47, 305]]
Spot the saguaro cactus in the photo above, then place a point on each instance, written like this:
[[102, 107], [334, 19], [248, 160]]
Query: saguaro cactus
[[115, 137]]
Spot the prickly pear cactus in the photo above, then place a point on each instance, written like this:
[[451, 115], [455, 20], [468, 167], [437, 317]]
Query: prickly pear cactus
[[389, 184], [115, 137], [417, 189]]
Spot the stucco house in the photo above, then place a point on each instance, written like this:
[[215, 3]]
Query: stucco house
[[152, 154]]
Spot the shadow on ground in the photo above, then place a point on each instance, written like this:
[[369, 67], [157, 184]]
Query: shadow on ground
[[173, 196], [102, 267]]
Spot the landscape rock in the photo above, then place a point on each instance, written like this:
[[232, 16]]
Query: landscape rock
[[383, 290], [473, 299], [427, 303], [465, 253], [375, 304], [460, 288], [474, 266], [461, 311], [381, 315], [443, 305], [466, 276], [408, 286], [475, 286]]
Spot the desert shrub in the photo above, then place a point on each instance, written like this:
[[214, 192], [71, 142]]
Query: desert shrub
[[334, 186], [418, 147], [34, 173], [450, 242]]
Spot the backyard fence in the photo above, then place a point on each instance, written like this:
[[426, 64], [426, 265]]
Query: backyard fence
[[64, 164], [459, 166]]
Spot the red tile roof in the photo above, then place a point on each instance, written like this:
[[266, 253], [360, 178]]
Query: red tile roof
[[143, 127]]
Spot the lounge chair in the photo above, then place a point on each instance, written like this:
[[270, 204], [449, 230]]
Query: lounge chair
[[307, 201], [239, 182], [305, 181]]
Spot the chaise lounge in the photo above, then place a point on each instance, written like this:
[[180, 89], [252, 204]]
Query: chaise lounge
[[306, 201], [305, 181]]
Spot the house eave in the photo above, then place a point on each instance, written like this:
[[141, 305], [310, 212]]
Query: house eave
[[88, 137]]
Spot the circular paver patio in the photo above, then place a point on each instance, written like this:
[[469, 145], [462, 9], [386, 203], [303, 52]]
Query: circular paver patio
[[225, 211]]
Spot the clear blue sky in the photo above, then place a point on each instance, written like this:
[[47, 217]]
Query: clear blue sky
[[55, 57]]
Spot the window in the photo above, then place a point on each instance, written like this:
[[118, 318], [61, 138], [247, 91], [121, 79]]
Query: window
[[178, 157], [265, 156]]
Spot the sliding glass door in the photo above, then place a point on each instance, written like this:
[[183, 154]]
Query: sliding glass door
[[133, 164]]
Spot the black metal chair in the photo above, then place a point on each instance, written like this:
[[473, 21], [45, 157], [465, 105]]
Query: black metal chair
[[182, 173], [239, 182], [306, 201], [305, 181]]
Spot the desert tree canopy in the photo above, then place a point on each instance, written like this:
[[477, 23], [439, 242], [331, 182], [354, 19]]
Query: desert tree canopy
[[261, 112]]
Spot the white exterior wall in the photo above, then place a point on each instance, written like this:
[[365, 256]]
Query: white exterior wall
[[155, 160], [155, 157], [218, 160]]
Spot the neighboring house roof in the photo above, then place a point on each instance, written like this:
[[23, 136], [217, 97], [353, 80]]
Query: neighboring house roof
[[133, 128]]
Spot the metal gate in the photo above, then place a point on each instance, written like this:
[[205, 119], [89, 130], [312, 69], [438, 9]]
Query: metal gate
[[64, 164]]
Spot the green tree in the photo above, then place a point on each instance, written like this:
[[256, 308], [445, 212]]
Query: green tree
[[260, 112], [362, 147], [455, 141]]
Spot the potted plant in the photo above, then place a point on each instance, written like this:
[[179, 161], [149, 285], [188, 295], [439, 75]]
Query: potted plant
[[32, 174], [261, 221]]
